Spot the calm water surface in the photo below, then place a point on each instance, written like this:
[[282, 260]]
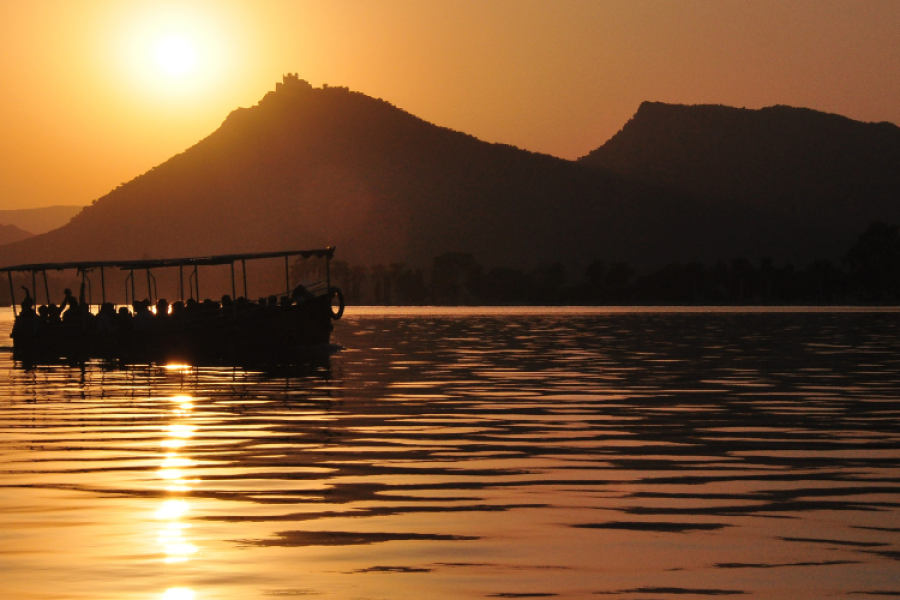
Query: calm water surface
[[507, 454]]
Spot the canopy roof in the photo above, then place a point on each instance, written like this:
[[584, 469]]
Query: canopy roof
[[221, 259]]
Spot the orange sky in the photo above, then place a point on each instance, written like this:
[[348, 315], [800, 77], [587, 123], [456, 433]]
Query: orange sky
[[85, 105]]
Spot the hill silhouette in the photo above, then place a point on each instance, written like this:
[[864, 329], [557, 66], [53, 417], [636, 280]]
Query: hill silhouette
[[11, 233], [39, 220], [313, 166], [808, 182], [309, 167]]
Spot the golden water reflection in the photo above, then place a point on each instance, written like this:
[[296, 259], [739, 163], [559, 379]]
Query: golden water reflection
[[501, 456], [173, 536]]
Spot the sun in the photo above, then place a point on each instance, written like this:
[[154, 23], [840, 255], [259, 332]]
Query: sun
[[175, 55]]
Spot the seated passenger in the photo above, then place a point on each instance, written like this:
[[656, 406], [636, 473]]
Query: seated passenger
[[27, 306], [106, 318], [43, 320], [300, 294], [124, 319], [55, 312], [143, 318], [162, 308], [73, 313]]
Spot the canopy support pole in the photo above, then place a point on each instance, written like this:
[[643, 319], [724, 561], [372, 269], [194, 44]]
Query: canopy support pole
[[131, 277], [46, 287], [181, 282], [102, 286], [244, 273], [233, 290], [287, 277], [133, 299], [12, 294], [34, 286]]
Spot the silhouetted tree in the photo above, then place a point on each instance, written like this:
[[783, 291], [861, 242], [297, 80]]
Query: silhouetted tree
[[874, 262], [452, 276]]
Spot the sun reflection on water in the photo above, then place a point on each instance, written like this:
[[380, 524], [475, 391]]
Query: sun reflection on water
[[176, 547]]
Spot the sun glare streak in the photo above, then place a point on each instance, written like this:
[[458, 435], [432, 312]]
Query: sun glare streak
[[178, 594], [172, 509]]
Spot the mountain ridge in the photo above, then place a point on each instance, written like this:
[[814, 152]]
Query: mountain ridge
[[308, 167]]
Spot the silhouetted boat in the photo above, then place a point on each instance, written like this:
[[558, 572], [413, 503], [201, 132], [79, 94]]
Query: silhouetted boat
[[301, 322]]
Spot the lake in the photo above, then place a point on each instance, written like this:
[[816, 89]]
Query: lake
[[469, 453]]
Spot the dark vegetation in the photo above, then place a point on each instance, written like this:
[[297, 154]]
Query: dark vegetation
[[868, 273]]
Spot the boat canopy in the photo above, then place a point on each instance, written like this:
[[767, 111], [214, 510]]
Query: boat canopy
[[85, 267], [221, 259]]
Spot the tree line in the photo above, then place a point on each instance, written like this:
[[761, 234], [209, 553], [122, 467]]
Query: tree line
[[868, 273]]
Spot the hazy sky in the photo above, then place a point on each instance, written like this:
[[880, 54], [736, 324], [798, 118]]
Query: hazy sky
[[96, 92]]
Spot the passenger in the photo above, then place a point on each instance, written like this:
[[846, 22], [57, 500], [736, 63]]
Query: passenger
[[284, 302], [143, 318], [28, 306], [263, 301], [55, 312], [43, 320], [73, 312], [300, 294], [124, 320], [227, 302], [273, 300], [162, 308], [106, 318], [192, 306], [178, 310]]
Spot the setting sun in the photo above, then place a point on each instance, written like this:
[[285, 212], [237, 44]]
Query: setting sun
[[175, 55]]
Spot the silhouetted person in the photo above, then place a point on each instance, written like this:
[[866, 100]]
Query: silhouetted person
[[143, 318], [43, 319], [27, 305], [300, 294], [106, 318], [73, 312], [54, 313], [124, 319], [162, 308]]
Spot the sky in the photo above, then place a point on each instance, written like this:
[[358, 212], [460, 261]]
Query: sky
[[96, 92]]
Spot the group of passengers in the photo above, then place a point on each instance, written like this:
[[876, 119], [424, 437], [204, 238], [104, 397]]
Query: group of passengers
[[144, 316]]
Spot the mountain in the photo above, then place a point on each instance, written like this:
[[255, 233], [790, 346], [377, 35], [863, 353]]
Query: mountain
[[310, 167], [808, 182], [39, 220], [11, 233]]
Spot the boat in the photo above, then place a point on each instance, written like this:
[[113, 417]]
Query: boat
[[301, 321]]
